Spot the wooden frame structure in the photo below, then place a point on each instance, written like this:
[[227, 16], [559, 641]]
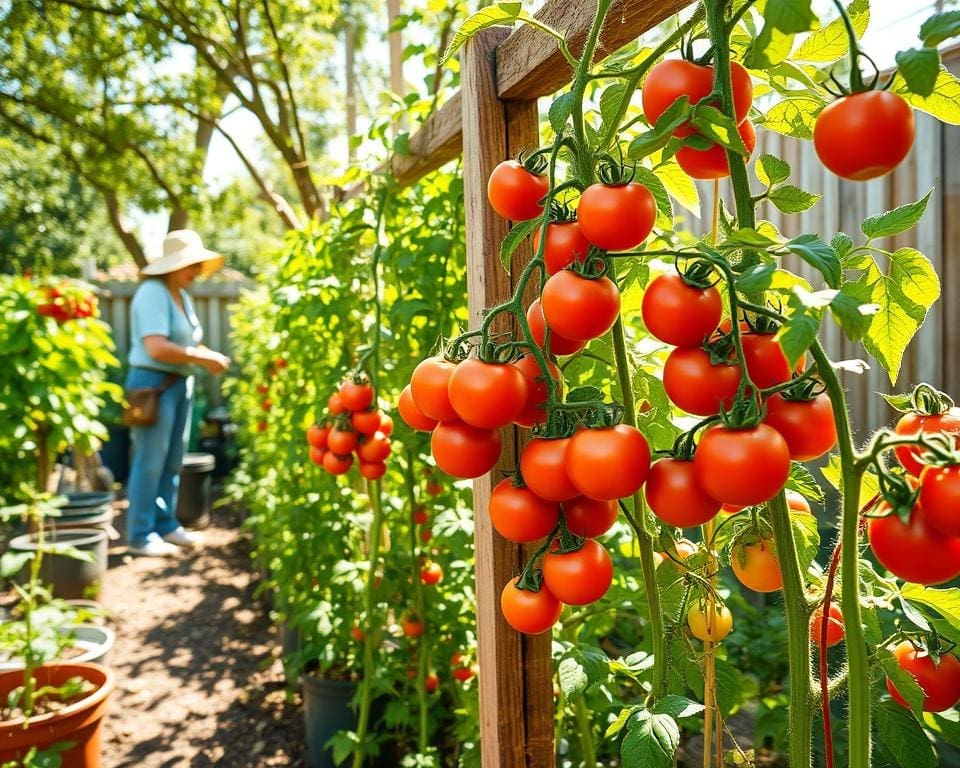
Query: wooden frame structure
[[493, 117]]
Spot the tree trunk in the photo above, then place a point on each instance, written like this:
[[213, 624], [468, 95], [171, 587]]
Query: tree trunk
[[395, 40], [127, 237]]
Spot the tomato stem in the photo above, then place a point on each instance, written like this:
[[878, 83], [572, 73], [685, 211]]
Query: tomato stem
[[420, 599], [822, 650], [856, 76]]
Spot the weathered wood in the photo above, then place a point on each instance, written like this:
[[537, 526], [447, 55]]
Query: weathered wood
[[530, 65], [438, 141], [516, 715]]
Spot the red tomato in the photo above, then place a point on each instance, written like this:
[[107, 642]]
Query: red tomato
[[413, 627], [616, 217], [673, 78], [317, 436], [713, 163], [464, 451], [431, 573], [336, 465], [580, 308], [544, 469], [565, 244], [267, 404], [386, 424], [608, 464], [558, 344], [374, 448], [581, 577], [262, 426], [372, 470], [431, 682], [335, 405], [357, 634], [940, 498], [765, 361], [696, 385], [834, 621], [316, 455], [261, 388], [913, 424], [520, 515], [341, 441], [412, 416], [529, 612], [429, 386], [914, 551], [537, 390], [588, 517], [864, 135], [464, 673], [488, 395], [756, 567], [742, 466], [940, 682], [425, 535], [515, 193], [356, 397], [365, 422], [675, 496], [680, 314], [798, 503], [433, 488], [806, 425], [421, 516]]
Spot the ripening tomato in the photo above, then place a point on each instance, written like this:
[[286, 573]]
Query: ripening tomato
[[374, 448], [356, 397], [713, 163], [431, 573], [559, 345], [581, 577], [544, 469], [429, 385], [616, 217], [515, 193], [341, 441], [487, 395], [533, 412], [335, 404], [864, 135], [914, 423], [940, 498], [336, 465], [565, 244], [696, 385], [580, 308], [464, 451], [365, 422], [372, 470], [702, 629], [834, 622], [527, 611], [519, 515], [796, 502], [675, 496], [386, 424], [412, 416], [806, 425], [742, 466], [940, 682], [413, 627], [765, 361], [914, 551], [588, 517], [609, 463], [673, 78], [756, 567], [317, 436], [680, 314]]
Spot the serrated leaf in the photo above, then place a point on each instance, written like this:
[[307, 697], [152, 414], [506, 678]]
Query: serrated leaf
[[945, 724], [782, 19], [491, 16], [617, 725], [940, 27], [771, 170], [903, 737], [803, 482], [677, 706], [793, 116], [661, 132], [851, 315], [832, 41], [584, 395], [818, 255], [807, 537], [517, 234], [900, 403], [680, 186], [869, 487], [651, 741], [915, 275], [842, 243], [915, 616], [730, 686], [943, 103], [718, 127], [746, 237], [799, 330], [791, 199], [652, 182], [946, 602], [756, 279], [560, 110], [573, 677], [919, 68], [611, 100]]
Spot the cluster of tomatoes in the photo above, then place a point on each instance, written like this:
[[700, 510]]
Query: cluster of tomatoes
[[273, 370], [67, 302], [354, 426]]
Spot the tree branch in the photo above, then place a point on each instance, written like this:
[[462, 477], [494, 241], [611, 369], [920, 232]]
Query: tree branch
[[285, 72]]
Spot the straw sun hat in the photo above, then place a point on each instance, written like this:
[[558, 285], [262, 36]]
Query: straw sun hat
[[181, 248]]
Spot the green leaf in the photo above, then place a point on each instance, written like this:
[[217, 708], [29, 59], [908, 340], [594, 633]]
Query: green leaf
[[492, 16], [915, 275], [919, 68], [771, 170], [832, 42], [807, 537], [818, 255], [12, 562], [573, 677], [940, 27], [903, 737], [943, 103], [680, 186], [718, 127], [803, 482], [611, 100], [897, 221], [662, 131], [617, 725], [651, 741], [945, 724], [756, 279], [652, 182], [794, 116], [842, 243], [747, 237], [677, 706], [869, 487], [946, 602], [560, 110], [852, 316], [517, 234], [732, 687], [791, 199], [782, 19], [584, 395], [800, 329]]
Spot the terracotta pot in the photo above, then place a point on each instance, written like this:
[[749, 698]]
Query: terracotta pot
[[80, 721]]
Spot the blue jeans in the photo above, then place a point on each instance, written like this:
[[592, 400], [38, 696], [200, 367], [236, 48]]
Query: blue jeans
[[157, 459]]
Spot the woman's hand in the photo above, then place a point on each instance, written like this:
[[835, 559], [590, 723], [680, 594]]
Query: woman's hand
[[214, 362]]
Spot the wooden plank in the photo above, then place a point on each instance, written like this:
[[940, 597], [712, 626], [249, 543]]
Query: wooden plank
[[505, 718], [438, 141], [530, 65]]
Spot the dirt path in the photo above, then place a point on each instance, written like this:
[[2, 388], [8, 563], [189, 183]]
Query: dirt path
[[199, 677]]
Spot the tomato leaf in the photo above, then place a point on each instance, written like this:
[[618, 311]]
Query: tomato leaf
[[803, 482], [581, 667], [732, 687], [903, 737], [617, 725], [943, 103], [651, 741], [807, 538], [771, 170], [561, 109], [842, 243], [852, 316], [718, 127], [818, 255], [756, 279], [664, 207], [611, 101], [517, 234], [747, 237], [940, 27], [584, 395], [791, 199], [677, 706], [869, 487], [897, 221], [794, 116], [915, 616], [662, 131], [782, 19], [946, 602], [12, 562], [492, 16], [919, 68], [832, 41]]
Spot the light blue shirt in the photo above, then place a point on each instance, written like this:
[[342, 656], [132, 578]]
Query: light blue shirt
[[153, 313]]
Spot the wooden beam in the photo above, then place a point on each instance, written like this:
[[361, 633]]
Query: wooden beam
[[439, 140], [530, 65]]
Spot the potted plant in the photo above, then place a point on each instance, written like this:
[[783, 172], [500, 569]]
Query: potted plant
[[47, 704]]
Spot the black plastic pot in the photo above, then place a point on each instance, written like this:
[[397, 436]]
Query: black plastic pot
[[290, 642], [193, 503], [326, 710], [70, 578], [115, 453], [86, 510]]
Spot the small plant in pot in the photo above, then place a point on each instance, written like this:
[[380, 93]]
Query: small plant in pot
[[47, 705]]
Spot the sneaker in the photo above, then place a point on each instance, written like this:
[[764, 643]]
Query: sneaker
[[154, 548], [184, 538]]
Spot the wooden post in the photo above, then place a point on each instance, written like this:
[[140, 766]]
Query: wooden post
[[516, 691]]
